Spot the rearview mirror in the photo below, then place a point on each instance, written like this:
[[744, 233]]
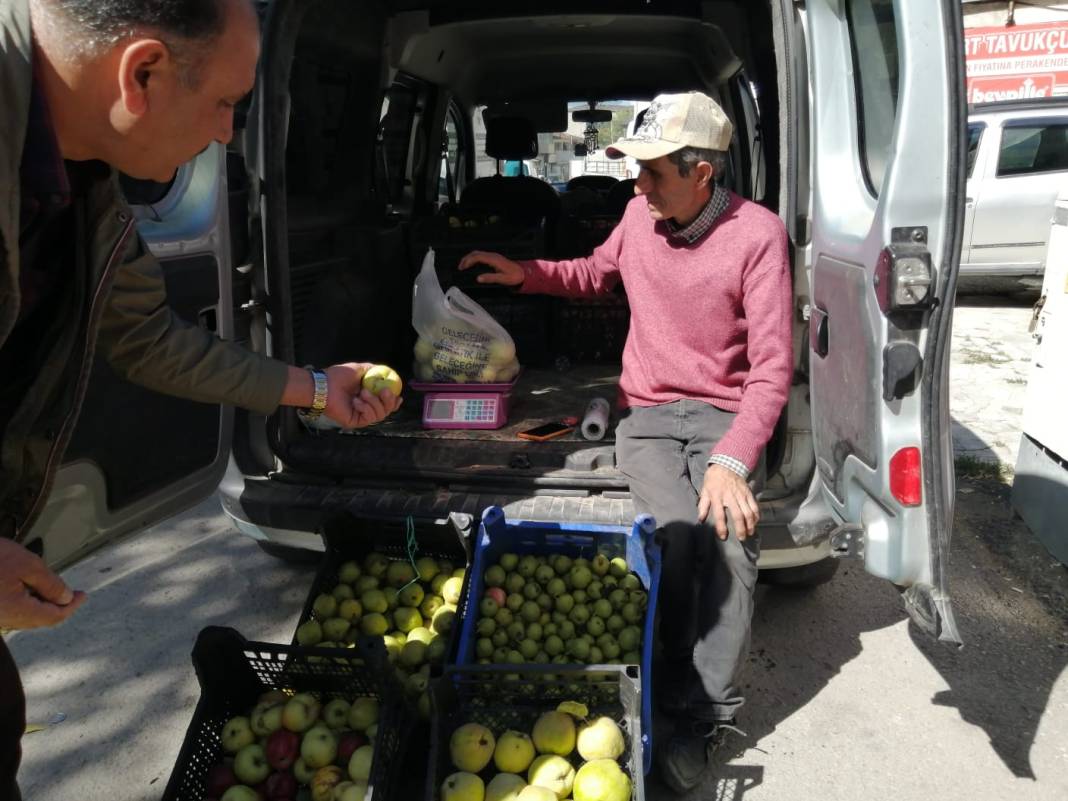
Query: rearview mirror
[[591, 115]]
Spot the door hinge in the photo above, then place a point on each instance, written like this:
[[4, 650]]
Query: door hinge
[[904, 278]]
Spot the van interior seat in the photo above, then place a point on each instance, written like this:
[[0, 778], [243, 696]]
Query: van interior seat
[[521, 198], [598, 183], [619, 196]]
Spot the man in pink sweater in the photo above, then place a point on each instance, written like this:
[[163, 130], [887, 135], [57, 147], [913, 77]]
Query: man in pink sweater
[[706, 370]]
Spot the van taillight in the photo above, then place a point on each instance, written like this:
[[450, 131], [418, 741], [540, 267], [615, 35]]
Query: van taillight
[[905, 477]]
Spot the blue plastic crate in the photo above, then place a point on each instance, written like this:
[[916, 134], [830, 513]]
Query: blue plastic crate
[[637, 544]]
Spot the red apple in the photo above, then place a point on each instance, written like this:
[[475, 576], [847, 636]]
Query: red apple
[[348, 743], [281, 785], [220, 778], [283, 748], [497, 594]]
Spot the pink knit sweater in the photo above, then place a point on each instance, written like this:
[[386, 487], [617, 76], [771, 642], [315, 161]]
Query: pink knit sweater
[[708, 321]]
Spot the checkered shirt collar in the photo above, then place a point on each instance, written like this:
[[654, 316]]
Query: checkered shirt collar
[[713, 210]]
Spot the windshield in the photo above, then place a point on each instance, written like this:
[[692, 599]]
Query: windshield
[[563, 155]]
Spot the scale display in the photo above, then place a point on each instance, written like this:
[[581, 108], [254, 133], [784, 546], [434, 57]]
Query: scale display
[[464, 410]]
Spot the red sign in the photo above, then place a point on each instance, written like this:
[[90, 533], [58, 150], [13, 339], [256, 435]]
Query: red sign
[[1024, 61]]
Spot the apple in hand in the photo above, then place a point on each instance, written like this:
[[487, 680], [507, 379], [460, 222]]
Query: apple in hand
[[282, 784], [250, 765], [347, 744], [282, 749], [380, 377], [220, 778], [236, 734], [300, 712], [319, 747]]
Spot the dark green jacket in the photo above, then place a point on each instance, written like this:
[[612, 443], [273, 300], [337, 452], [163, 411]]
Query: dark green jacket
[[119, 309]]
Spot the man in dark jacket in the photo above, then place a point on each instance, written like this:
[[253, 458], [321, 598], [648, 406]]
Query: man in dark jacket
[[88, 88]]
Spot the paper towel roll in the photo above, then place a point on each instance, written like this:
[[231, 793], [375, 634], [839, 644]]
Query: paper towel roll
[[595, 420]]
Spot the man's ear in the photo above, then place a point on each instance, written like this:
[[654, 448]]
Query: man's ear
[[706, 174], [141, 65]]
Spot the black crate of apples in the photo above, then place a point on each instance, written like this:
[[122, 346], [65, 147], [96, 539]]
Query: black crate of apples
[[278, 723], [402, 582]]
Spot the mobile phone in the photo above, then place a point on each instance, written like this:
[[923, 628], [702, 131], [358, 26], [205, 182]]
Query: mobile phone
[[544, 432]]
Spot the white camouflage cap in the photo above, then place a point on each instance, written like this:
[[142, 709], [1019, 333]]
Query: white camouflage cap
[[672, 122]]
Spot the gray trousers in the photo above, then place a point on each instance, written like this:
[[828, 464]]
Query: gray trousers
[[706, 584]]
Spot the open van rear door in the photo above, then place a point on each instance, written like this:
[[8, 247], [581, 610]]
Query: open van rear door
[[888, 164]]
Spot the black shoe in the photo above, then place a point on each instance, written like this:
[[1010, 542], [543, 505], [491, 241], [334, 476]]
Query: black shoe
[[687, 756]]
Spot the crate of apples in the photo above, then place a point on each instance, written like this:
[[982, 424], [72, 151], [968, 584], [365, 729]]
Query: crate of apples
[[276, 724]]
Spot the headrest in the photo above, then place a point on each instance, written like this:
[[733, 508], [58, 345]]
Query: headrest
[[511, 138]]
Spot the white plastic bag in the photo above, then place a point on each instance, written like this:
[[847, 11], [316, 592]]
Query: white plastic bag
[[458, 340]]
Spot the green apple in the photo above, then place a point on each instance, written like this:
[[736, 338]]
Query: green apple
[[444, 619], [412, 595], [566, 630], [527, 566], [236, 734], [533, 792], [336, 713], [435, 652], [632, 613], [596, 656], [484, 647], [530, 611], [471, 747], [528, 648], [360, 763], [407, 618], [514, 752], [375, 563], [561, 564], [374, 601], [431, 604], [580, 596], [335, 628], [324, 605], [300, 712], [514, 602], [485, 627], [399, 573], [552, 772], [603, 780], [319, 746], [250, 764], [513, 583], [427, 568], [348, 572], [509, 562], [531, 590], [240, 792], [488, 607], [374, 624], [564, 603], [380, 378], [350, 609], [544, 574], [554, 645], [618, 567], [302, 772], [356, 791], [505, 787], [579, 615], [365, 583], [579, 649], [504, 615], [342, 591], [600, 564], [413, 654], [595, 591], [500, 638], [309, 633], [451, 590], [595, 626], [630, 582], [495, 576], [421, 634], [463, 787], [363, 713]]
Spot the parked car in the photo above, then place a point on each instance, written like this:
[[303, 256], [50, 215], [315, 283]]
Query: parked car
[[848, 126], [1017, 164]]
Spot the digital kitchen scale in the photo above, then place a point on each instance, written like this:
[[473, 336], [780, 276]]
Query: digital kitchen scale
[[464, 405]]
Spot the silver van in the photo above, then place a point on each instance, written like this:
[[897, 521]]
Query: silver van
[[1017, 165], [302, 241]]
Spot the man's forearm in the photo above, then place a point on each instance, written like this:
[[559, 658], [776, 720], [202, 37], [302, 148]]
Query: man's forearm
[[299, 389]]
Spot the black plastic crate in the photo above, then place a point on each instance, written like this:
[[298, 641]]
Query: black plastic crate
[[351, 538], [506, 697], [233, 672], [593, 330]]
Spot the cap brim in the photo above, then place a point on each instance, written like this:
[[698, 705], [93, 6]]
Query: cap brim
[[641, 149]]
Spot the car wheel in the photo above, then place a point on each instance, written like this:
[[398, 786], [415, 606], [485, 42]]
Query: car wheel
[[802, 577], [294, 556]]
